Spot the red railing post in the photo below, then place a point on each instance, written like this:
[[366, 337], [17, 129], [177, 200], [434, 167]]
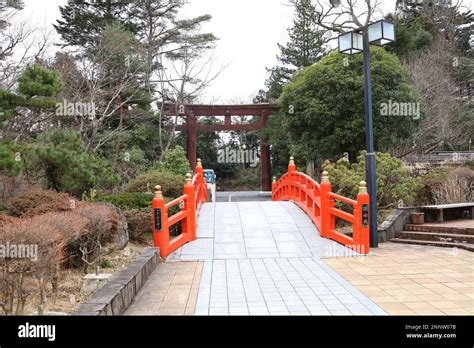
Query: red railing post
[[291, 179], [203, 193], [309, 201], [161, 233], [274, 188], [190, 206], [326, 204], [199, 169], [361, 233]]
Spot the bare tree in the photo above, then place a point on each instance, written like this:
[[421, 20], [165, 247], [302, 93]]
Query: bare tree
[[27, 45], [340, 16], [186, 74], [172, 47], [433, 78]]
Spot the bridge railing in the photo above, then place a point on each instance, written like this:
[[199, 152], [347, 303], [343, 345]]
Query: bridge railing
[[319, 203], [195, 195]]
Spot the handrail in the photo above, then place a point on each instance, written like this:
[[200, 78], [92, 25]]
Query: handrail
[[174, 203], [195, 195], [343, 199], [317, 200]]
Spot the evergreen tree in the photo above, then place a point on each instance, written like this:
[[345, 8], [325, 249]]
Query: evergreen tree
[[131, 41], [62, 161], [420, 23], [328, 117], [305, 47], [83, 21]]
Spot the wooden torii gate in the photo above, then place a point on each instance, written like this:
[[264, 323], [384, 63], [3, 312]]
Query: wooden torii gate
[[192, 126]]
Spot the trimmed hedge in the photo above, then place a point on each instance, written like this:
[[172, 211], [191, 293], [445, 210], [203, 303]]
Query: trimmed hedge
[[171, 184], [128, 200]]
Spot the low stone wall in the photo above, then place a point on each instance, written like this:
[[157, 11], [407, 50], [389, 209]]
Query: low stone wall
[[395, 223], [116, 296]]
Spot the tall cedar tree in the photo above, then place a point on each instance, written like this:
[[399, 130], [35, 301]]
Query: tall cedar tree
[[304, 48]]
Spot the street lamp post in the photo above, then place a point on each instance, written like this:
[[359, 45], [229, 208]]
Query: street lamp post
[[379, 33]]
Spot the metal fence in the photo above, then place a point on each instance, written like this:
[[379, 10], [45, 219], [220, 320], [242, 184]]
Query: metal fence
[[441, 158]]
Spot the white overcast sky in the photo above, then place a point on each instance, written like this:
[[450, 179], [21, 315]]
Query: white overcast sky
[[249, 31]]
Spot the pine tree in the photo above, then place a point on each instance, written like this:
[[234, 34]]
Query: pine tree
[[83, 21], [305, 47]]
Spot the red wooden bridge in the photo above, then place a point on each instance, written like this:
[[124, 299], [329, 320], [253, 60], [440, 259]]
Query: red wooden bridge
[[315, 199]]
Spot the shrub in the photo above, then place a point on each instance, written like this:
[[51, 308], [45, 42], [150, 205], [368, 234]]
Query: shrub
[[139, 225], [457, 188], [35, 202], [338, 120], [172, 184], [71, 228], [11, 186], [243, 180], [175, 162], [5, 219], [131, 164], [393, 180], [470, 164], [61, 159], [128, 201], [102, 228], [86, 228], [39, 81], [16, 273], [9, 164], [429, 182]]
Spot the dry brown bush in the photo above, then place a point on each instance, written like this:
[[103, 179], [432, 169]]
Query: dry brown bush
[[37, 202], [13, 186], [5, 219], [72, 227], [139, 224], [102, 225], [68, 233], [457, 188], [15, 273]]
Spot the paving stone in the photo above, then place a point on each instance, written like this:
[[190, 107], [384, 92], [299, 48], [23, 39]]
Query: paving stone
[[260, 258]]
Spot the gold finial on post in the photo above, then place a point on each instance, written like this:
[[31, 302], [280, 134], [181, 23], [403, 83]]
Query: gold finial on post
[[325, 177], [158, 192], [189, 179], [363, 187], [274, 179], [199, 162], [292, 165]]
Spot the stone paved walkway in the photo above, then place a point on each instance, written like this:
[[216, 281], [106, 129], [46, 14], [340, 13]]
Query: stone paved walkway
[[281, 286], [414, 280], [267, 258], [263, 258], [171, 290]]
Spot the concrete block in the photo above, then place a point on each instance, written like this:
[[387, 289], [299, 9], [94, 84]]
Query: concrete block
[[93, 282], [116, 295]]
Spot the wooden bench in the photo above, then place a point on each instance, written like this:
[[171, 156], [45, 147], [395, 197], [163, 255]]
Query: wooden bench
[[441, 213]]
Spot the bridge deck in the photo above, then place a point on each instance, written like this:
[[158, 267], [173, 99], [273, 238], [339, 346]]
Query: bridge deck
[[259, 258], [256, 230]]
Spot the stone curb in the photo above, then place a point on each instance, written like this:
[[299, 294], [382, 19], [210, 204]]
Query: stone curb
[[116, 296], [395, 223]]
